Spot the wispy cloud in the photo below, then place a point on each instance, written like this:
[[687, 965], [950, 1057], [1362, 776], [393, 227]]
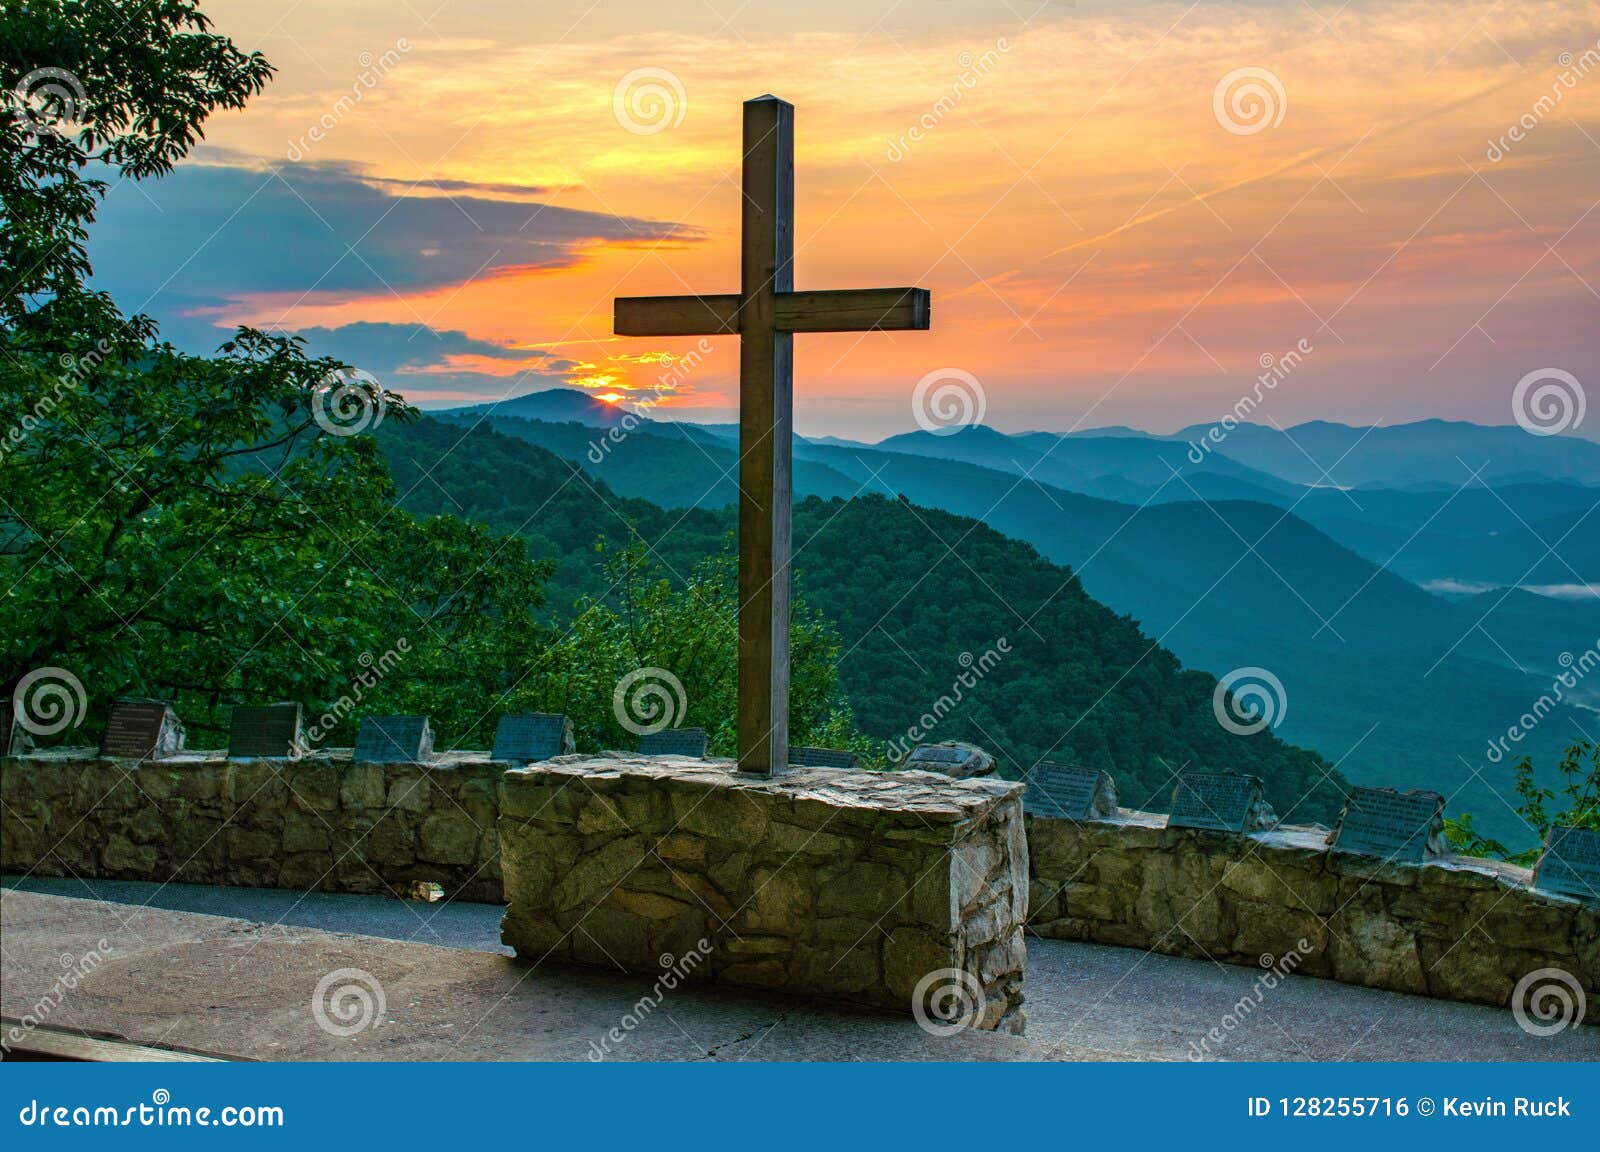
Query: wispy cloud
[[224, 237], [1099, 245]]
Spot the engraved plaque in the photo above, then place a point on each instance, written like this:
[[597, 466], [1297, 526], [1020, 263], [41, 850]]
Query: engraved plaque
[[16, 738], [1570, 864], [1220, 801], [951, 758], [394, 740], [690, 742], [936, 754], [1392, 825], [531, 736], [271, 731], [822, 758], [1069, 793], [10, 731], [141, 730]]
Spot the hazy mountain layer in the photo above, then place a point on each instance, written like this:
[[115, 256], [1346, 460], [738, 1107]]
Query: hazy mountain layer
[[921, 599], [1406, 686]]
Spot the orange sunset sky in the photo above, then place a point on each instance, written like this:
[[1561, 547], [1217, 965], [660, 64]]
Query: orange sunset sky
[[1113, 234]]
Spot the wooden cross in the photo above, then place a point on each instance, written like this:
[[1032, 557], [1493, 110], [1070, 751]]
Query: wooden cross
[[765, 314]]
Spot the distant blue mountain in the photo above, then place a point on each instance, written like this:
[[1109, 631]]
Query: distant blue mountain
[[1406, 498], [1422, 454], [1435, 500], [553, 405], [1400, 685], [1117, 467]]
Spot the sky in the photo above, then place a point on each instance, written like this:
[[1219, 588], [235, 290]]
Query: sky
[[1126, 212]]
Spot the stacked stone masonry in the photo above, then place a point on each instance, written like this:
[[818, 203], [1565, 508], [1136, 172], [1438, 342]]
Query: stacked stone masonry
[[869, 887], [322, 823], [1459, 929]]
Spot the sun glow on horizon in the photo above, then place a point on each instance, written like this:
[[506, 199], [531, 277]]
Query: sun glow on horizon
[[1107, 240]]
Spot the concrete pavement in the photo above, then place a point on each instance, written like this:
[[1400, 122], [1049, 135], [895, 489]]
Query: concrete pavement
[[176, 974]]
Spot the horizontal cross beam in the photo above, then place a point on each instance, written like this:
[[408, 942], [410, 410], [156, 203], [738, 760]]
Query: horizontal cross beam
[[676, 316], [851, 310]]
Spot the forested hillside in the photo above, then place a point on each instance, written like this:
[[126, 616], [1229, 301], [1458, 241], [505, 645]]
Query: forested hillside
[[917, 596], [1404, 688], [474, 471]]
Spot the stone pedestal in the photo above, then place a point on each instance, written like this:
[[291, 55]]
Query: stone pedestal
[[905, 891]]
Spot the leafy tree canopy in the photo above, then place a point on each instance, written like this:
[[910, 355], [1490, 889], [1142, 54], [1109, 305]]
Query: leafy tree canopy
[[218, 530], [126, 86], [1578, 797]]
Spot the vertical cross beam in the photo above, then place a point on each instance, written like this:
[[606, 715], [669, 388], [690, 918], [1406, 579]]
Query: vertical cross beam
[[766, 314], [766, 441]]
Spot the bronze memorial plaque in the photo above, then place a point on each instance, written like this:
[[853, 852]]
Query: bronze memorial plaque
[[1392, 825], [394, 740], [528, 737], [1570, 864], [1071, 793], [690, 742], [9, 728], [1219, 801], [823, 758], [936, 754], [141, 730], [270, 731]]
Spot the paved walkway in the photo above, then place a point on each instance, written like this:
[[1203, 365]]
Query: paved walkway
[[243, 984]]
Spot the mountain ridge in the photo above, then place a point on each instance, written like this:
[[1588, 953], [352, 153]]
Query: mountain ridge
[[902, 585], [1223, 584], [561, 403]]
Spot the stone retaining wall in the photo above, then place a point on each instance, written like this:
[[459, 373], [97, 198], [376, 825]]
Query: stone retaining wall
[[1462, 929], [323, 823], [882, 889]]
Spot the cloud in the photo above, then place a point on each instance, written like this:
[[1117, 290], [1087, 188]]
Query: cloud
[[427, 365], [212, 236], [380, 347], [432, 365], [518, 192]]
